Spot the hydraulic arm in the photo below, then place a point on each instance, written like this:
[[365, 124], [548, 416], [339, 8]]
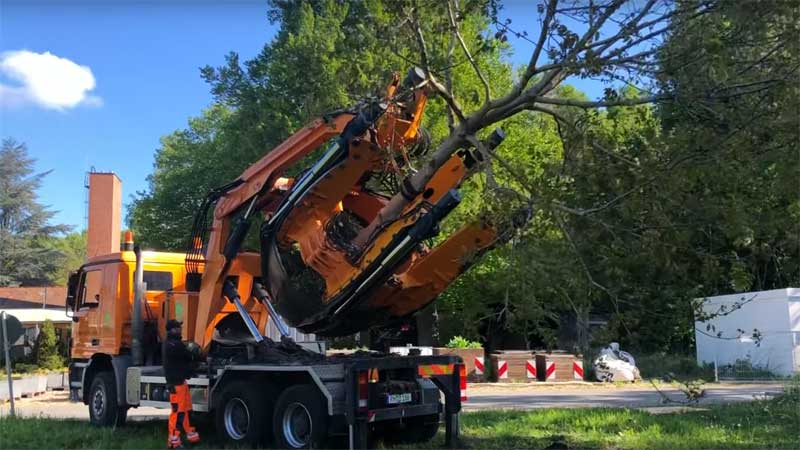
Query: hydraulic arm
[[308, 269]]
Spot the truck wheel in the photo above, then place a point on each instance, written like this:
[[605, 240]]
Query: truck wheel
[[104, 410], [300, 420], [421, 429], [242, 414]]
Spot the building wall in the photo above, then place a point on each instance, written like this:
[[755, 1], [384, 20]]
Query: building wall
[[775, 317]]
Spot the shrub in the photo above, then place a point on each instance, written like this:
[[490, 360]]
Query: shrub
[[461, 342], [47, 356], [681, 367], [24, 368]]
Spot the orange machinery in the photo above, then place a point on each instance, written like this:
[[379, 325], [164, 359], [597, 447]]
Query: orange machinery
[[307, 269]]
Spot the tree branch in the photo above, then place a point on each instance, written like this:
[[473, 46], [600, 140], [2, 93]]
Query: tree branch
[[487, 90], [529, 71], [600, 103], [441, 90]]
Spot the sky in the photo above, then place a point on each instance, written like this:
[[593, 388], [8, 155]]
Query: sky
[[90, 84]]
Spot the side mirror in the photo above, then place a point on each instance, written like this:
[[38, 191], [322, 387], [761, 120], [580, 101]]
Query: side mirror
[[72, 289]]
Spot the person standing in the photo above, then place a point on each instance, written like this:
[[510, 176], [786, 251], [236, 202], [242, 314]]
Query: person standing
[[178, 367]]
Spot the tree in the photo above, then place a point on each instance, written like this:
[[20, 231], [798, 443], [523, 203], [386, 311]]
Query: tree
[[72, 248], [25, 257], [701, 204], [47, 356], [187, 166]]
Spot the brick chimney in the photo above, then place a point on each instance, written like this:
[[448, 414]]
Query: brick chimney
[[105, 214]]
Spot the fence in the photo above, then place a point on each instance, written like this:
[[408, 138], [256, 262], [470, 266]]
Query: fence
[[744, 370]]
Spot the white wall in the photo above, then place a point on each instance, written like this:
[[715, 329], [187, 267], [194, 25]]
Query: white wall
[[772, 313], [794, 324]]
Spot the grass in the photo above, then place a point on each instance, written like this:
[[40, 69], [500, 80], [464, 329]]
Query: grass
[[763, 424]]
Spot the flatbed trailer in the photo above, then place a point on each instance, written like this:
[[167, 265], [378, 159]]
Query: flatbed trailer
[[356, 398]]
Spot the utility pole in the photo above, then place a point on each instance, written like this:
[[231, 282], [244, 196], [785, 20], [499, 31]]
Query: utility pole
[[6, 346]]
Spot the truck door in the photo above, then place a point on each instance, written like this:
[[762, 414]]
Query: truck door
[[86, 333]]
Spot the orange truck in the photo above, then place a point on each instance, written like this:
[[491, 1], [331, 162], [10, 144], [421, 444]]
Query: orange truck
[[309, 277]]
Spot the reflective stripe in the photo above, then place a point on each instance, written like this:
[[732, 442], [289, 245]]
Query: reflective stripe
[[435, 369]]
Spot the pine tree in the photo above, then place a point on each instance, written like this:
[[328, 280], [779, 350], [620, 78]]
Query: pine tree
[[25, 229]]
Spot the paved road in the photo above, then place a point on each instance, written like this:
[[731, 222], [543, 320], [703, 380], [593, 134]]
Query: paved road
[[642, 396], [56, 405]]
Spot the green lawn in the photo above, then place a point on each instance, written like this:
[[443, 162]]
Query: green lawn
[[761, 424]]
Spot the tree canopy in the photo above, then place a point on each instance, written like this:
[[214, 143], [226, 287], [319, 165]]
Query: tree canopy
[[681, 182], [26, 254]]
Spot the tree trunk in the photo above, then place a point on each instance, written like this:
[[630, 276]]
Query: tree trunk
[[392, 210]]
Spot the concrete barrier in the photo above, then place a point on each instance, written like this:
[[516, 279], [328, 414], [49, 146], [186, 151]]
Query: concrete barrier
[[57, 381], [30, 385]]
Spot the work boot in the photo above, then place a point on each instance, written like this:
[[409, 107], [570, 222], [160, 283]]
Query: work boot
[[175, 442], [193, 437]]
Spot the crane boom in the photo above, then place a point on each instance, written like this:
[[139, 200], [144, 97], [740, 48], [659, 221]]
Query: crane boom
[[308, 270]]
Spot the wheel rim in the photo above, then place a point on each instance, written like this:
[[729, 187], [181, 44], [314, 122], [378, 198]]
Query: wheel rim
[[297, 425], [99, 401], [237, 418]]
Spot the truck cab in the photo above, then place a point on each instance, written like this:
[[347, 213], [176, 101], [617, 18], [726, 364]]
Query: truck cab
[[100, 298]]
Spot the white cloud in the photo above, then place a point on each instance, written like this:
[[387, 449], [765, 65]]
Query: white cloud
[[46, 80]]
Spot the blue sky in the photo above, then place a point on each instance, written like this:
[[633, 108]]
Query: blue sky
[[144, 59]]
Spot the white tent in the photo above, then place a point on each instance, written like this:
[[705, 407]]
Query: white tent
[[762, 328]]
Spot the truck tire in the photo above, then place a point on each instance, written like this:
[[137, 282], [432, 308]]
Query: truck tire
[[421, 429], [300, 420], [242, 415], [104, 411]]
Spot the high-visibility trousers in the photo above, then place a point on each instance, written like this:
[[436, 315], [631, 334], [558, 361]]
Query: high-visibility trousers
[[181, 402]]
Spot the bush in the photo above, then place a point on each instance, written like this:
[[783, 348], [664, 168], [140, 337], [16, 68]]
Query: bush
[[460, 342], [681, 367], [24, 368], [47, 356]]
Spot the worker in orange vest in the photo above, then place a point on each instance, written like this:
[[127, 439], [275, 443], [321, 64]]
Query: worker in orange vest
[[178, 367]]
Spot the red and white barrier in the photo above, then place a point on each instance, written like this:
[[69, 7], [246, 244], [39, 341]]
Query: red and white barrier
[[479, 365], [577, 370], [502, 370], [530, 368], [550, 370]]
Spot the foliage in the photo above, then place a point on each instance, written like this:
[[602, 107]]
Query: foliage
[[24, 368], [25, 229], [692, 198], [188, 165], [460, 342], [72, 247], [47, 356], [673, 366], [743, 369]]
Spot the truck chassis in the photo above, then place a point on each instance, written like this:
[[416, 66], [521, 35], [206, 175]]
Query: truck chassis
[[356, 397]]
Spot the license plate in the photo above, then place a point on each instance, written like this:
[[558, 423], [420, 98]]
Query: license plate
[[394, 399]]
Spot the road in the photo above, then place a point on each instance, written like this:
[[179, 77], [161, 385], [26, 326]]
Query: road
[[56, 404], [580, 396]]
